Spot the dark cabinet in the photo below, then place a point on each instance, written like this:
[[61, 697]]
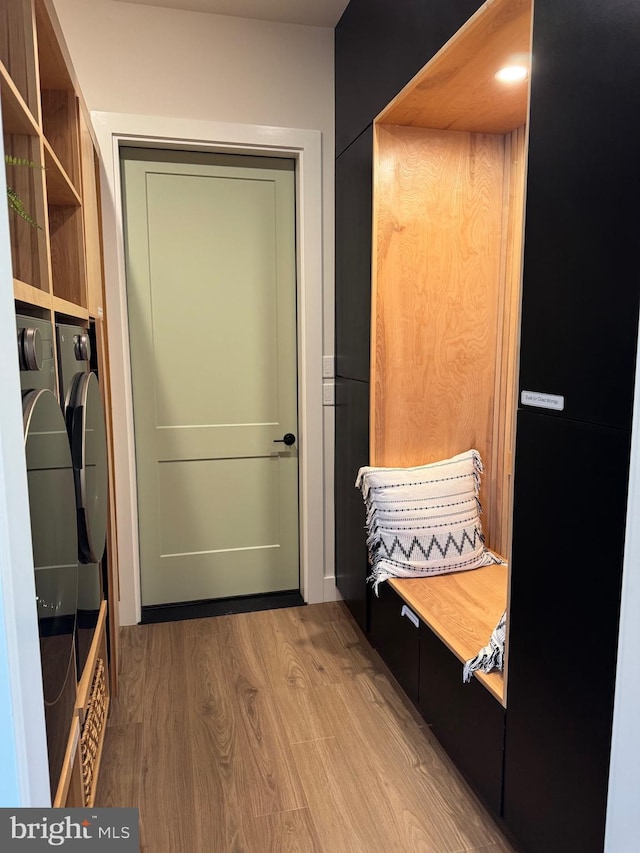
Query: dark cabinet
[[395, 634], [353, 258], [569, 521], [379, 46], [581, 282], [467, 720], [352, 452], [578, 339]]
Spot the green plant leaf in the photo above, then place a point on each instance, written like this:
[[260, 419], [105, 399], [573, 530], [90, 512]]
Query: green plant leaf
[[16, 204], [10, 160]]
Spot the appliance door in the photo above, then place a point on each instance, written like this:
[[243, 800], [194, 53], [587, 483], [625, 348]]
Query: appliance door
[[55, 558], [85, 417]]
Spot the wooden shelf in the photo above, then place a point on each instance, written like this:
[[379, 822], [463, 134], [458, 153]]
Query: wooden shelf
[[457, 89], [462, 609], [69, 309], [53, 60], [18, 51], [60, 189], [16, 116], [31, 295]]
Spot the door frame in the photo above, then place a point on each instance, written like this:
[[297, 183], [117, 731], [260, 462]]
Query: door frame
[[305, 147]]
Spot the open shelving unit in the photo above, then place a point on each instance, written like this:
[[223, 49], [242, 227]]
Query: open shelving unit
[[58, 276]]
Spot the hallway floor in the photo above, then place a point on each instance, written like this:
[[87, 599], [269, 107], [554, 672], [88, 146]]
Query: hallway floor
[[278, 731]]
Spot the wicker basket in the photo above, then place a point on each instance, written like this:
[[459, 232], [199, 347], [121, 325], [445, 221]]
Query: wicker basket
[[94, 723]]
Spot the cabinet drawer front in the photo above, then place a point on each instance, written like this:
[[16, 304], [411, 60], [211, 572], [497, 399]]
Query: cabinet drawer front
[[467, 720], [396, 636]]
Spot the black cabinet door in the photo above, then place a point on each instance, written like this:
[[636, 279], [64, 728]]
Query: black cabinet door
[[379, 46], [395, 634], [353, 258], [581, 273], [351, 453], [568, 543], [467, 720]]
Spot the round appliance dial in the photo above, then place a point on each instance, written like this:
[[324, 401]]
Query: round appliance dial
[[30, 349], [82, 347]]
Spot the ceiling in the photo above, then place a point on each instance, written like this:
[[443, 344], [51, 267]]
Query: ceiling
[[315, 13]]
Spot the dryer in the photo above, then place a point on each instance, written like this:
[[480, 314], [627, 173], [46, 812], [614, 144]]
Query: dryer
[[53, 533], [81, 402], [35, 353]]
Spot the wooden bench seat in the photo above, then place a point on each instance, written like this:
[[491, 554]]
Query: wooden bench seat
[[462, 609]]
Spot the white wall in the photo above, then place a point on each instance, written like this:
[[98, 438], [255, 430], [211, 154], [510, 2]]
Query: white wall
[[155, 61], [24, 775], [624, 772]]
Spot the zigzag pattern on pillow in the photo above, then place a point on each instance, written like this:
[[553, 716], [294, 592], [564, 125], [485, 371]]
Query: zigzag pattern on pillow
[[416, 545], [424, 520]]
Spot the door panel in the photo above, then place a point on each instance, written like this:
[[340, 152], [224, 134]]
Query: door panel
[[580, 293], [211, 292], [566, 569]]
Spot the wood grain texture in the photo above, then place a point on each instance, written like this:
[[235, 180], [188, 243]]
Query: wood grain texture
[[426, 783], [462, 609], [113, 587], [91, 218], [127, 706], [121, 771], [67, 254], [56, 70], [30, 295], [60, 190], [29, 247], [457, 89], [508, 344], [167, 764], [17, 49], [60, 126], [212, 766], [283, 832], [16, 116], [438, 227]]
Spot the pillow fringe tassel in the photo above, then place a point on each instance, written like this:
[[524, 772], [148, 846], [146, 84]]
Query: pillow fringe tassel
[[491, 656]]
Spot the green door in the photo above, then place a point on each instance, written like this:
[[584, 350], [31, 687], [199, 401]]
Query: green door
[[211, 282]]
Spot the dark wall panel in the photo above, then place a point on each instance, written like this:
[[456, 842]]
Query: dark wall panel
[[569, 522], [379, 46], [353, 258], [352, 452], [581, 271]]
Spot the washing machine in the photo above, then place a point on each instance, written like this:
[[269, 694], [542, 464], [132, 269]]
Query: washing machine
[[35, 354], [52, 509], [81, 403]]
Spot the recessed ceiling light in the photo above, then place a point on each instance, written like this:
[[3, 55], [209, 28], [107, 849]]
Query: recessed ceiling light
[[512, 73]]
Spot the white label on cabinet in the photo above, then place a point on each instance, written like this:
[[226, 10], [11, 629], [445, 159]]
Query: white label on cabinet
[[542, 401]]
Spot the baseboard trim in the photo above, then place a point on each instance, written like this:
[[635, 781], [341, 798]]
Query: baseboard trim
[[220, 606]]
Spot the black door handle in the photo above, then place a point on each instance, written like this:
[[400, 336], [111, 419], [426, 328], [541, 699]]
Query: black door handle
[[288, 438]]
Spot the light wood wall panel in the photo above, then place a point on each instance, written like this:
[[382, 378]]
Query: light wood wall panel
[[498, 526], [457, 89], [438, 210]]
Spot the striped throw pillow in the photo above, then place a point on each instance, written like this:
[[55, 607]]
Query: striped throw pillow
[[426, 520]]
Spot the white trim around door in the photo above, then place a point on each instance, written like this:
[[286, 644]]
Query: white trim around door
[[305, 146]]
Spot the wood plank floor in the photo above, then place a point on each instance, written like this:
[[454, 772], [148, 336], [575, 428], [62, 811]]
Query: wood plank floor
[[278, 731]]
